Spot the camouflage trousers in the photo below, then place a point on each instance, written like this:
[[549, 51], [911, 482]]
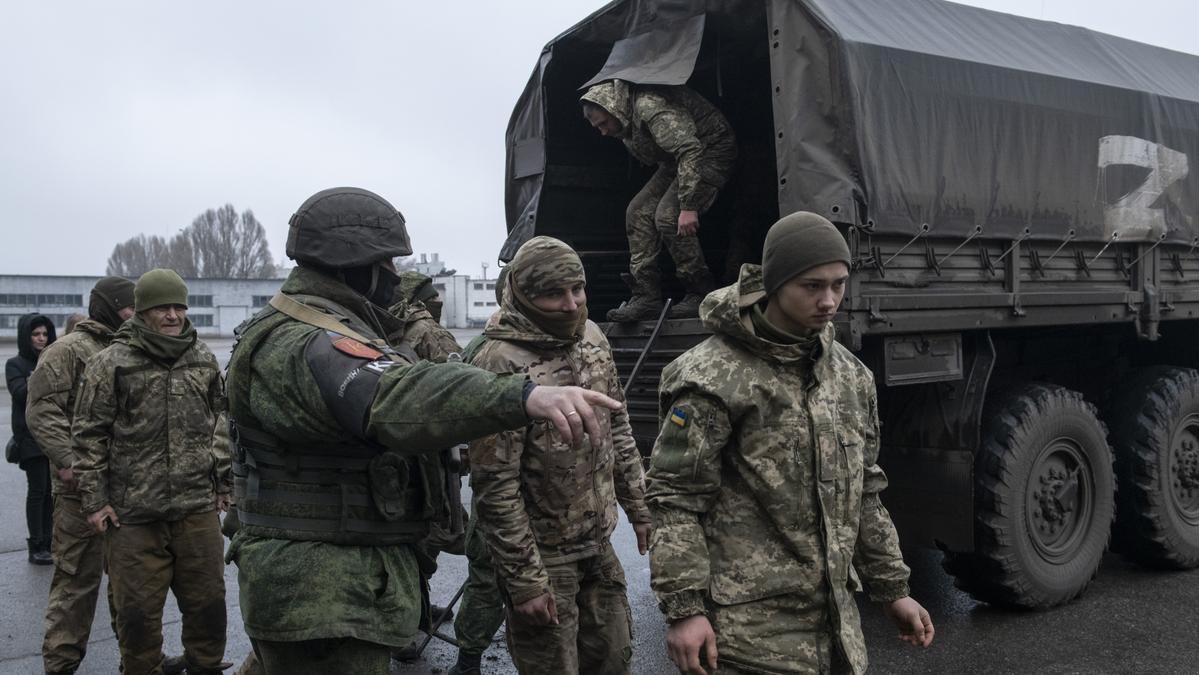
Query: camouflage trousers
[[482, 610], [320, 657], [784, 634], [184, 556], [75, 588], [652, 221], [594, 632]]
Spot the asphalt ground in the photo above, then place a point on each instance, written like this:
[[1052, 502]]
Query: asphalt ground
[[1131, 620]]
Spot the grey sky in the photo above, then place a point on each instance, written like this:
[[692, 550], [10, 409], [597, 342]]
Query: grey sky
[[126, 117]]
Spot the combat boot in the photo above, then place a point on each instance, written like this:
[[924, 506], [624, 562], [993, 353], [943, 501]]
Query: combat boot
[[697, 289], [468, 664], [639, 308], [39, 553]]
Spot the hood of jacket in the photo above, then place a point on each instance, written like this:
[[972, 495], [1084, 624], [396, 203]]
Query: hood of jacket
[[726, 311], [25, 326], [616, 97]]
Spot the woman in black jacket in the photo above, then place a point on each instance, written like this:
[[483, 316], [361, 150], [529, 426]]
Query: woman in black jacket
[[35, 332]]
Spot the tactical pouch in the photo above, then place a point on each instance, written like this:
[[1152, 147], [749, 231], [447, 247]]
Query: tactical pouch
[[388, 474]]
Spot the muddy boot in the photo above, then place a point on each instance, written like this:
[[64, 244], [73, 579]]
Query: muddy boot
[[39, 554], [468, 664], [697, 290]]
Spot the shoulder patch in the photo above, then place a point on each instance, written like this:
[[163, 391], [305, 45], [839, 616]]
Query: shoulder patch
[[353, 347], [678, 417]]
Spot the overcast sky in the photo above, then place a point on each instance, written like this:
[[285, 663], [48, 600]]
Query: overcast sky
[[126, 117]]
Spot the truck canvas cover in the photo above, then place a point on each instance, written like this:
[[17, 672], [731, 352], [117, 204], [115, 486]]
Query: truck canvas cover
[[899, 115]]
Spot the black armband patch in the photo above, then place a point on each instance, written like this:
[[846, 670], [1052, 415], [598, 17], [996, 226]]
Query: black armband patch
[[347, 373]]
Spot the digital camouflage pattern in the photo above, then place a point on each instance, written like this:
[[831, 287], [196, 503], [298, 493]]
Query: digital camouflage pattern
[[52, 390], [78, 551], [694, 148], [764, 485], [673, 125], [148, 436], [481, 611], [294, 590]]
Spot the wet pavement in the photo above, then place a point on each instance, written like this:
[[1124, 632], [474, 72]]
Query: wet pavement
[[1131, 620]]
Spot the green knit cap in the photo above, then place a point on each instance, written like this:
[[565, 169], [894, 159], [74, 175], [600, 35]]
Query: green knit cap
[[159, 287], [797, 243]]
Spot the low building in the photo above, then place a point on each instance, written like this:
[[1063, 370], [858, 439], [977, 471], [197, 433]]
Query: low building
[[215, 306], [467, 302]]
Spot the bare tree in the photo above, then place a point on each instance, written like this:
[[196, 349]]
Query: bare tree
[[218, 243]]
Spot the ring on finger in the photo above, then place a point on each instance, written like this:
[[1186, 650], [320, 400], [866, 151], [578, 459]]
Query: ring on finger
[[572, 412]]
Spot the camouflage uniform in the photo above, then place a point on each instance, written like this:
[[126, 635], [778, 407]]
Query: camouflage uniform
[[547, 510], [481, 612], [764, 490], [694, 149], [335, 600], [78, 551], [148, 441]]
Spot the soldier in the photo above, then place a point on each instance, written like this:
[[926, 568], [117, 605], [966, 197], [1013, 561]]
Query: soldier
[[338, 434], [418, 306], [78, 551], [153, 470], [763, 484], [547, 512], [693, 147], [482, 610]]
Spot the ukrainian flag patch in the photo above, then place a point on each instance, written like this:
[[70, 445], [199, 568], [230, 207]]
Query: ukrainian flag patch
[[678, 417]]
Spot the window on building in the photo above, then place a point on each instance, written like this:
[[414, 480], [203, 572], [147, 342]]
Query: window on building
[[260, 301], [478, 287], [491, 285], [199, 301], [491, 304], [478, 304], [201, 320], [40, 300]]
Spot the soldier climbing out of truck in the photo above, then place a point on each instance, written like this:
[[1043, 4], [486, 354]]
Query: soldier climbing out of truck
[[694, 148]]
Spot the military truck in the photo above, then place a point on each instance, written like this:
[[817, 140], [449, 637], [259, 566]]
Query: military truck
[[1019, 203]]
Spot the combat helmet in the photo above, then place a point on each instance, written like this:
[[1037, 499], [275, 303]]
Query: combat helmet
[[346, 227]]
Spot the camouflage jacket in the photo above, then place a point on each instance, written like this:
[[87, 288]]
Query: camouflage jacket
[[146, 434], [764, 480], [429, 339], [539, 501], [52, 390], [676, 126], [306, 590]]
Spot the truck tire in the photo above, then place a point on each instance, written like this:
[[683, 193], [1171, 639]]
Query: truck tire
[[1044, 500], [1155, 433]]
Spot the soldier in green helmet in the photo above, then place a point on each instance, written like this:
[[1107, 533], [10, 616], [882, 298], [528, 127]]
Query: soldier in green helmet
[[338, 431]]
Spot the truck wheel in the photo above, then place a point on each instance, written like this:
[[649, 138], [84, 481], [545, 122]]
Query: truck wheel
[[1155, 433], [1044, 500]]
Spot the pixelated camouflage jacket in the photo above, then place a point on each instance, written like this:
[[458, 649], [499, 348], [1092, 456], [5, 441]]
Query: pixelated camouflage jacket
[[367, 593], [538, 500], [674, 125], [147, 435], [763, 480], [52, 390], [423, 334]]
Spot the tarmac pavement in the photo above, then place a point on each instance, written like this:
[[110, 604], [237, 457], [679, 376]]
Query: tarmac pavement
[[1131, 620]]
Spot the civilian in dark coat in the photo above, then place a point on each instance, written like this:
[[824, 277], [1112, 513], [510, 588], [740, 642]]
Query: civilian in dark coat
[[35, 332]]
